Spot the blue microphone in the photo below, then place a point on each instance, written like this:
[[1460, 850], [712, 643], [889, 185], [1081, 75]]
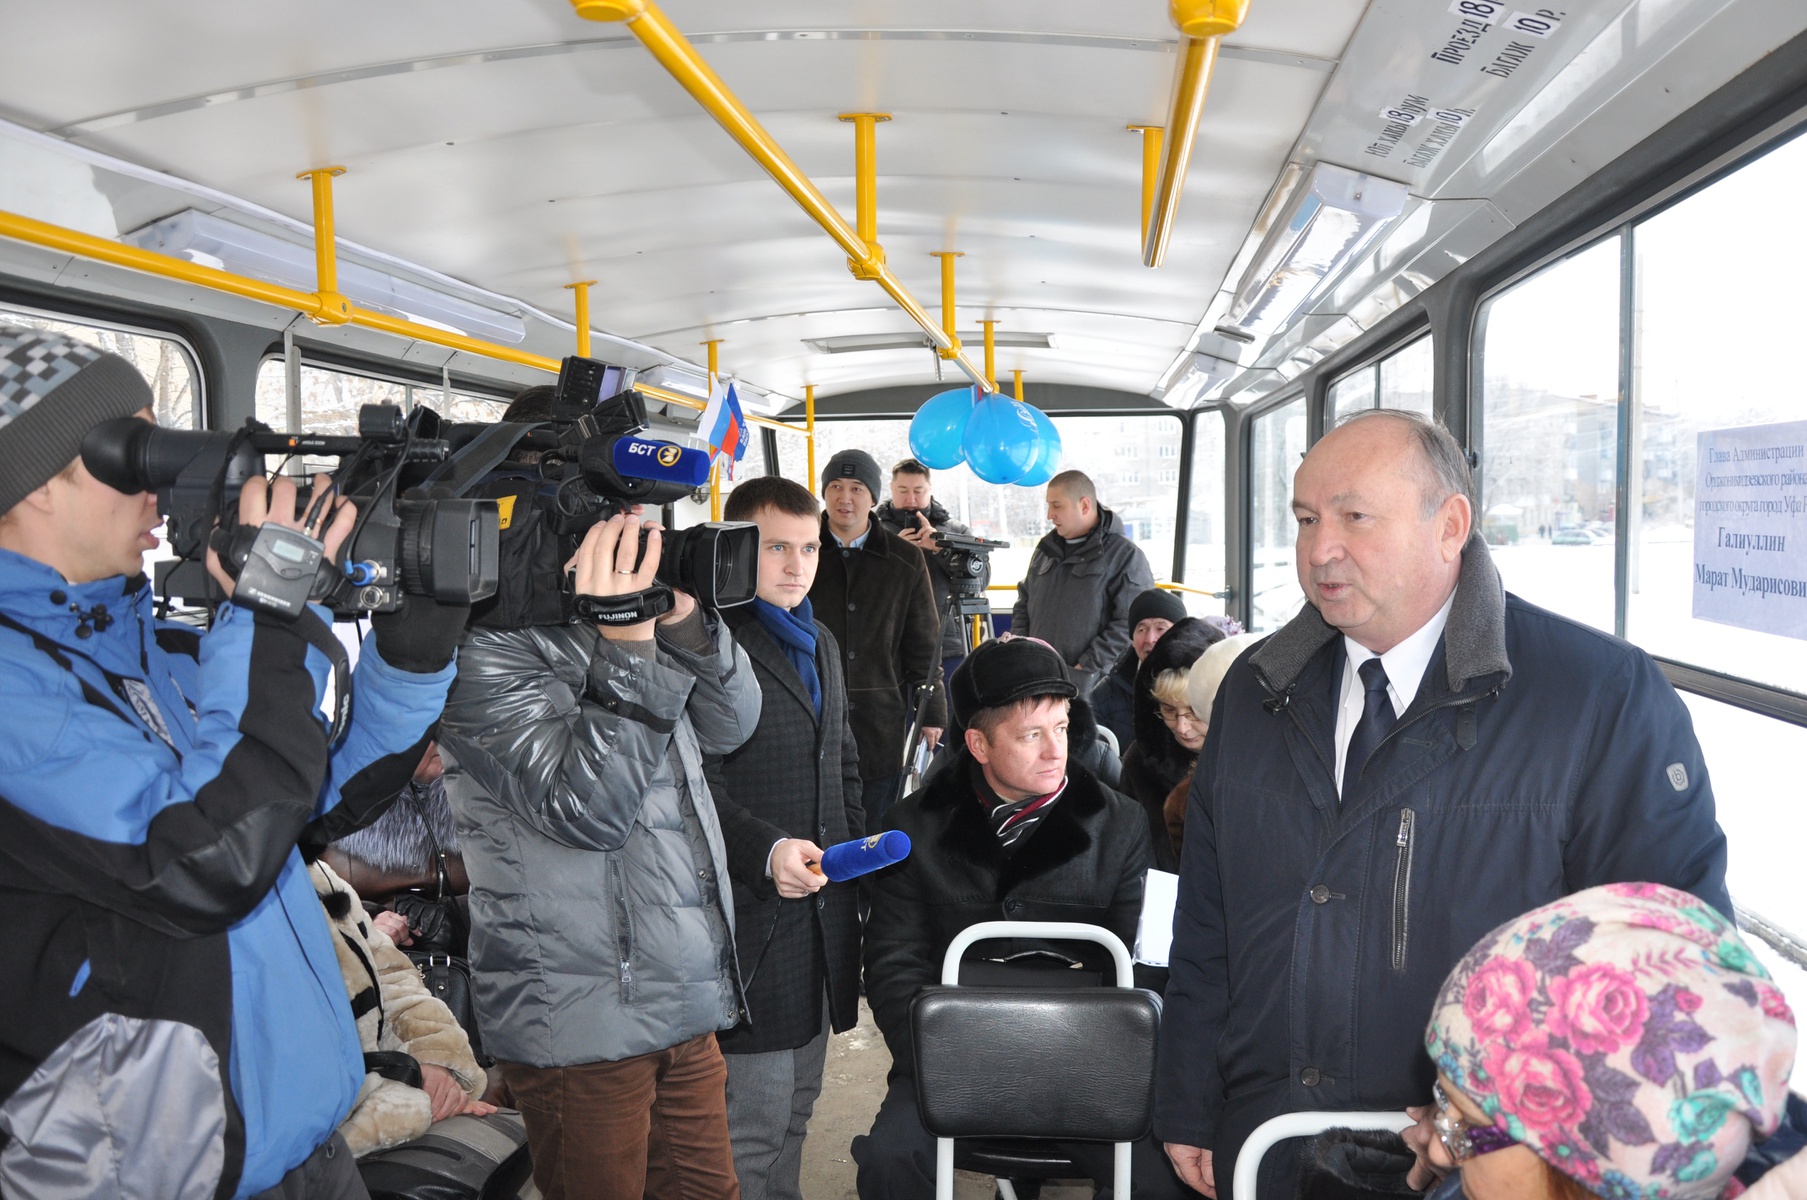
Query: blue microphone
[[848, 860], [644, 458]]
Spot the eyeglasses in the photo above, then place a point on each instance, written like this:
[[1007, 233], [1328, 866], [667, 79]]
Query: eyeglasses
[[1462, 1140], [1172, 715]]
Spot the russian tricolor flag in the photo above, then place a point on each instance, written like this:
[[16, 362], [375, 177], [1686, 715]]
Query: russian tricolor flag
[[724, 427]]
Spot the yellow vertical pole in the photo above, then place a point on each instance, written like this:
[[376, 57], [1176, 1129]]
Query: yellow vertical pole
[[947, 258], [865, 173], [1152, 136], [809, 431], [334, 308], [582, 288], [1018, 377], [991, 354], [715, 472]]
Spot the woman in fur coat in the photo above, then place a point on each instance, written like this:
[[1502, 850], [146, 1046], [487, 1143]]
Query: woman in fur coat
[[395, 1011]]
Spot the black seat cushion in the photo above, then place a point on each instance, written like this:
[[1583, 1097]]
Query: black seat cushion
[[1071, 1064]]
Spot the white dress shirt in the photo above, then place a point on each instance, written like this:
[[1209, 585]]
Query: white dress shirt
[[1404, 664]]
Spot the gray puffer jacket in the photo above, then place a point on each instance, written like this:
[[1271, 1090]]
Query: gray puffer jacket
[[600, 923], [1076, 597]]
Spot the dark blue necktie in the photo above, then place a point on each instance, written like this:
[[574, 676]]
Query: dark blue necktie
[[1377, 719]]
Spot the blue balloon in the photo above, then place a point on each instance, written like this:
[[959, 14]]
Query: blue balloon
[[1047, 463], [938, 427], [1001, 442]]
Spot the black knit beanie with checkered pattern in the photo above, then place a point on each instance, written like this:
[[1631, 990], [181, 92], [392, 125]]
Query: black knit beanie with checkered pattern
[[53, 390]]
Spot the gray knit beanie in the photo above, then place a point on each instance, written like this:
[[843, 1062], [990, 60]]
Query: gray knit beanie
[[856, 465], [53, 390]]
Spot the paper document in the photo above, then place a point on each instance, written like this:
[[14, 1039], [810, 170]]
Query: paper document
[[1154, 933]]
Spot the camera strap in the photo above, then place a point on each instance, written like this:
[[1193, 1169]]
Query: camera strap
[[478, 458], [630, 609]]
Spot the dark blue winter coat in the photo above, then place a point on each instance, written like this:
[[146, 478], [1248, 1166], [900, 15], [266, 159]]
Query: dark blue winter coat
[[1540, 757], [174, 1014]]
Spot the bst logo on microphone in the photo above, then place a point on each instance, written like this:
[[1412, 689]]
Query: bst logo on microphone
[[665, 453], [650, 458]]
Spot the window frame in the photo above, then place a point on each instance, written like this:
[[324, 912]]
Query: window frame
[[1698, 678], [199, 408], [1242, 583]]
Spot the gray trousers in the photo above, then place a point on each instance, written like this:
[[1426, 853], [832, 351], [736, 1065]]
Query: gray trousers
[[770, 1098]]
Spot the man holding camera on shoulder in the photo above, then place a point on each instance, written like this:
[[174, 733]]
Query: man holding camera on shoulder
[[914, 515], [601, 926], [175, 1019]]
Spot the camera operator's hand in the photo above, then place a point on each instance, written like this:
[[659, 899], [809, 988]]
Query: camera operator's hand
[[682, 605], [422, 635], [609, 563], [274, 503], [922, 537]]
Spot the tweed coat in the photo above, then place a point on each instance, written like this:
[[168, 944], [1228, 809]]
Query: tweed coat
[[795, 777], [879, 604]]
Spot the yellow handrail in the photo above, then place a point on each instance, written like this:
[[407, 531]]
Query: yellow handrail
[[675, 53], [1204, 23], [70, 241]]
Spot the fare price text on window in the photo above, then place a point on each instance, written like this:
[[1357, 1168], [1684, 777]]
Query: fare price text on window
[[1750, 528]]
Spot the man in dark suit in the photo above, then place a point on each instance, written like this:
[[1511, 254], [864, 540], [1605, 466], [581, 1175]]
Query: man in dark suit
[[791, 789]]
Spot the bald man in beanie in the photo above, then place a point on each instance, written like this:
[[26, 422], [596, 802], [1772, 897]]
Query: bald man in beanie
[[161, 933], [873, 591], [1012, 830]]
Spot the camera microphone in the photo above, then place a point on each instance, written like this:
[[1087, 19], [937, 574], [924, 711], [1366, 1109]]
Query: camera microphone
[[667, 462]]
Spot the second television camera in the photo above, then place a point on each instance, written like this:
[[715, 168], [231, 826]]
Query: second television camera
[[593, 463]]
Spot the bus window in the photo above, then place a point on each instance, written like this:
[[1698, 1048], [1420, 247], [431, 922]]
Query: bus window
[[1549, 413], [1352, 393], [1763, 831], [1135, 463], [1706, 255], [164, 362], [1205, 565], [1400, 380], [1276, 444], [1132, 459], [1405, 378]]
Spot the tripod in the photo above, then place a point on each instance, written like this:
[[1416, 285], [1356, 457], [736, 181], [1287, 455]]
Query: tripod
[[974, 614]]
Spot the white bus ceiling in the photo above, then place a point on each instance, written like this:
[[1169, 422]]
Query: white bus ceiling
[[501, 149]]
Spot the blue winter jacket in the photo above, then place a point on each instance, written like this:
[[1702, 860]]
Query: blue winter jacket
[[1540, 757], [158, 920]]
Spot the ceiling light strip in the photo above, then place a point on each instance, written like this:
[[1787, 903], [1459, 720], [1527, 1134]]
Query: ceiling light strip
[[694, 75]]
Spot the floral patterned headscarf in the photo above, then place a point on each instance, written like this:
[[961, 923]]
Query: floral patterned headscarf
[[1626, 1034]]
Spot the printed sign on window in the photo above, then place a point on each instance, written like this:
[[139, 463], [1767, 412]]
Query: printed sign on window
[[1750, 528]]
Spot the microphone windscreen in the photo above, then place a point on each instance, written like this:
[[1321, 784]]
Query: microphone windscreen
[[668, 462], [849, 860]]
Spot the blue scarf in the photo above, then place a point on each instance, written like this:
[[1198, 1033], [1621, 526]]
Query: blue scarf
[[795, 632]]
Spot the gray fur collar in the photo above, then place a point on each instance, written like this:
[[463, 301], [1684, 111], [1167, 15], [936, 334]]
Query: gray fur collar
[[406, 836], [1474, 641]]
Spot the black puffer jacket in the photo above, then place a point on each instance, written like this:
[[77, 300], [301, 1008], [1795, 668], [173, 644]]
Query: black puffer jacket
[[1085, 861], [1077, 597], [953, 636], [1156, 763]]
